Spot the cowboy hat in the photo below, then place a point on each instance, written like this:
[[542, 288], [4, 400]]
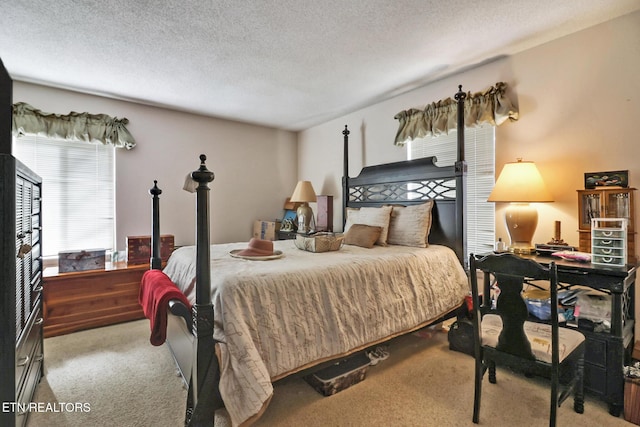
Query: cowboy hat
[[258, 247]]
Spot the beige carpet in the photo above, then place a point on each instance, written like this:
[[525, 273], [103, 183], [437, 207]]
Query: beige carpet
[[125, 381]]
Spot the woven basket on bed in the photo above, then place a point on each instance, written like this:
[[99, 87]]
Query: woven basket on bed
[[319, 242]]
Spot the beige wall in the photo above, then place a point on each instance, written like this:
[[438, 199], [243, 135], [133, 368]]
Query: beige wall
[[579, 100], [254, 166]]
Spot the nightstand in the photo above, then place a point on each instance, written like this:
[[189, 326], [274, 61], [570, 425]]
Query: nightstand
[[90, 299]]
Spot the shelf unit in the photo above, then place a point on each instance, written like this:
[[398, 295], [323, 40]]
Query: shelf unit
[[606, 202], [609, 241]]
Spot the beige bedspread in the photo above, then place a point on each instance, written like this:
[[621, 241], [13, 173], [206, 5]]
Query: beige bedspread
[[276, 317]]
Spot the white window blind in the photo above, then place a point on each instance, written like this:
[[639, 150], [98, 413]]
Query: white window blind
[[78, 205], [480, 157]]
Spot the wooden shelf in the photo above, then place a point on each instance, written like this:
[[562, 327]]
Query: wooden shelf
[[606, 202], [90, 299]]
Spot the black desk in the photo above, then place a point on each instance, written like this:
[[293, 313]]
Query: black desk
[[606, 353]]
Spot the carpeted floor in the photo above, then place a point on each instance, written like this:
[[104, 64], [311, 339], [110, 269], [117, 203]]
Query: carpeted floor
[[116, 371], [124, 381]]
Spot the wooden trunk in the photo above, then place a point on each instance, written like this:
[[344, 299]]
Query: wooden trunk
[[90, 299]]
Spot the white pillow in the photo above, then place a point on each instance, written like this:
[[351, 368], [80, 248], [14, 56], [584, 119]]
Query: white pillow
[[377, 217], [410, 225]]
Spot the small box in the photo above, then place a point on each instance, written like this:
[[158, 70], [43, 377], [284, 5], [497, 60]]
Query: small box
[[139, 248], [89, 259], [609, 241], [324, 213], [266, 230], [341, 375]]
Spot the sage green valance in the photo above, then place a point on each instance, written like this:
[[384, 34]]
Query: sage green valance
[[73, 126], [491, 106]]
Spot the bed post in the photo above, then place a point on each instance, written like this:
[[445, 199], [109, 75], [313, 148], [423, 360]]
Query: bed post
[[461, 184], [345, 175], [204, 396], [156, 261]]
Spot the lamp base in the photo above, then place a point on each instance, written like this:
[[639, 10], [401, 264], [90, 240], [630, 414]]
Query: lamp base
[[522, 250], [522, 220], [306, 223]]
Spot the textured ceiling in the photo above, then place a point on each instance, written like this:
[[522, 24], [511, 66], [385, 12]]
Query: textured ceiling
[[282, 63]]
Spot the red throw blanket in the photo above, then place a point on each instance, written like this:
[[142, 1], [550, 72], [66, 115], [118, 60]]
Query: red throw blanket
[[156, 289]]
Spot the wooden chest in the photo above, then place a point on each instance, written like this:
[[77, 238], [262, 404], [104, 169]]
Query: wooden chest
[[139, 248], [90, 299]]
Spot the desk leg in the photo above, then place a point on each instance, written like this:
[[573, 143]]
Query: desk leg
[[616, 347], [617, 315], [615, 375]]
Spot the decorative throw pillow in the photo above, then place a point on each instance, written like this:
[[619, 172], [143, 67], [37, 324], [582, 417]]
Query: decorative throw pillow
[[410, 225], [362, 235], [378, 217]]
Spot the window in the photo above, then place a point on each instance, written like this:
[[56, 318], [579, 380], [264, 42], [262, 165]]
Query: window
[[480, 157], [78, 206]]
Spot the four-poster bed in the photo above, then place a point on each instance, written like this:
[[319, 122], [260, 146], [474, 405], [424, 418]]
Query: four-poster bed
[[269, 319]]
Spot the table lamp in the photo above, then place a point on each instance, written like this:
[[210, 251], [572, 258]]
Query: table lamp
[[304, 194], [520, 183]]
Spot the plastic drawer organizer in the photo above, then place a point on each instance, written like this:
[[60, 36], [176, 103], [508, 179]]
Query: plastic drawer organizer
[[609, 241]]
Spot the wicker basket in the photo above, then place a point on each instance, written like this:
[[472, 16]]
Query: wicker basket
[[319, 242]]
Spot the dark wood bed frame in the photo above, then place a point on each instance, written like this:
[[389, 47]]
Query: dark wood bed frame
[[404, 182]]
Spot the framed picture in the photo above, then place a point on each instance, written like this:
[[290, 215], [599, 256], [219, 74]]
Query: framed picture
[[289, 220], [606, 179], [289, 214]]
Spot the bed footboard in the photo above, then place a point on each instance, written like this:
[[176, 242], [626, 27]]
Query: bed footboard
[[178, 309], [180, 341], [195, 350]]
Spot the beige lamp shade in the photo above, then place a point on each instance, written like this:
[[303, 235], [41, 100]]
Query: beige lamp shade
[[304, 193], [520, 183]]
